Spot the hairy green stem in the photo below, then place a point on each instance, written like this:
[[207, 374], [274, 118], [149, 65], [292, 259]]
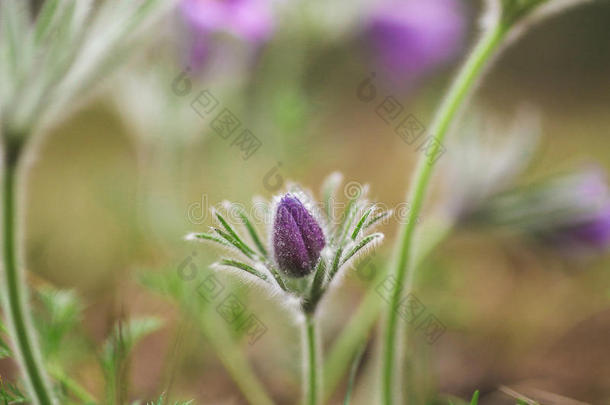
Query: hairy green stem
[[311, 352], [14, 289], [364, 318], [461, 87]]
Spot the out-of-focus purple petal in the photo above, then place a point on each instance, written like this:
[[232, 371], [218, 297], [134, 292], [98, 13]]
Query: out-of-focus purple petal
[[413, 36], [248, 20], [594, 233]]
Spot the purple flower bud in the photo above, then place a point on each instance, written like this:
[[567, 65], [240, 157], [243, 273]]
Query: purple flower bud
[[297, 238], [410, 37]]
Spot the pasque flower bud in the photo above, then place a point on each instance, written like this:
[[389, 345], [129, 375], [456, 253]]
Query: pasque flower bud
[[297, 238]]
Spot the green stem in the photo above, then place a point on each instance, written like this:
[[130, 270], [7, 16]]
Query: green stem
[[311, 356], [461, 87], [352, 373], [362, 321], [14, 289]]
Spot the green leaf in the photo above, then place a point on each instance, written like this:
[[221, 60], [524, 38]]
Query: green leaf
[[69, 384], [361, 223], [234, 242], [5, 350], [117, 347], [61, 314], [316, 285], [336, 262], [237, 240], [276, 275], [209, 237], [161, 401], [253, 234], [45, 16], [364, 242], [243, 266], [376, 219], [126, 335], [13, 21], [475, 398], [10, 393]]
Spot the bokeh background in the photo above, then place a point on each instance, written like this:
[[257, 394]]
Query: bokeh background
[[115, 187]]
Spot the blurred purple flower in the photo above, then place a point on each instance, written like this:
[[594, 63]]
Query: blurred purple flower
[[411, 37], [589, 228], [569, 212], [249, 20], [297, 238], [594, 232]]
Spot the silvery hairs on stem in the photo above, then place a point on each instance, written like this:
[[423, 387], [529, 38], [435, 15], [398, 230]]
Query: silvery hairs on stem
[[308, 246]]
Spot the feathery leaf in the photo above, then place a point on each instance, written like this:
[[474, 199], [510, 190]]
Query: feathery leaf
[[253, 233], [234, 234], [361, 223], [243, 266], [361, 245]]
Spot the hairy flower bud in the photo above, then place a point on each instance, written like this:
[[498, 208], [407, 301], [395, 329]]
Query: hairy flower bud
[[297, 238]]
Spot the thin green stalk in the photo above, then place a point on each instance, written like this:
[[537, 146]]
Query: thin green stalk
[[461, 87], [14, 290], [311, 357], [352, 373], [364, 318]]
